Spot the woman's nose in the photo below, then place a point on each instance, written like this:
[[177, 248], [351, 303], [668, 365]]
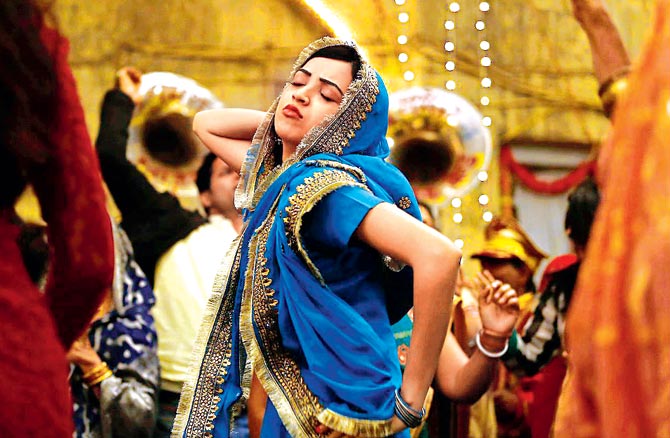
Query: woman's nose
[[301, 96]]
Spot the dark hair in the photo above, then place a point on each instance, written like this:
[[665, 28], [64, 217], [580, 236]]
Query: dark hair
[[582, 205], [28, 96], [169, 138], [341, 53], [32, 242], [204, 176]]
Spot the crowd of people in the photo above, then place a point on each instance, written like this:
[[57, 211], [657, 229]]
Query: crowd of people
[[300, 304]]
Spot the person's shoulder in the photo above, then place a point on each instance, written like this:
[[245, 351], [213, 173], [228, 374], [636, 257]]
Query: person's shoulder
[[215, 230], [559, 267]]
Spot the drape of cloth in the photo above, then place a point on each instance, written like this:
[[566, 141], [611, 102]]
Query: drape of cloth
[[36, 329], [618, 328], [300, 302], [125, 338]]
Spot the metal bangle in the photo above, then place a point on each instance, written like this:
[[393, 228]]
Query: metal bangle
[[487, 353], [408, 415]]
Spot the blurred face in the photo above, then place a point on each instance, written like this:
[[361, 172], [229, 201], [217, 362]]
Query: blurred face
[[315, 91], [219, 199], [510, 271]]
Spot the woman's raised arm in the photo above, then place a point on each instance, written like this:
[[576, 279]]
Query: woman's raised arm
[[228, 132]]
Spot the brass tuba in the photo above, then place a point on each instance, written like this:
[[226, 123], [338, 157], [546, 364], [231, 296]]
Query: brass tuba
[[161, 141], [439, 142]]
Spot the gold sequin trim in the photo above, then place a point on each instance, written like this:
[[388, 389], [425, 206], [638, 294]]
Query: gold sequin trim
[[199, 400]]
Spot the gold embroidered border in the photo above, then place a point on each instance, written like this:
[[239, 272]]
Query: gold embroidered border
[[354, 426], [312, 190], [211, 355], [276, 370]]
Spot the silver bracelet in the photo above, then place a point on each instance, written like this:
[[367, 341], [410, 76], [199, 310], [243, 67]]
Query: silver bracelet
[[487, 353]]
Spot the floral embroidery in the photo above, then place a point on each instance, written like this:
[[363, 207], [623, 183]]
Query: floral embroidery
[[404, 203]]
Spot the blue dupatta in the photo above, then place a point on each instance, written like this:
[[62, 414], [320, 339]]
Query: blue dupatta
[[320, 358]]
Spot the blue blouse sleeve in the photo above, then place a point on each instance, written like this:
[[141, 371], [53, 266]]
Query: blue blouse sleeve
[[335, 218]]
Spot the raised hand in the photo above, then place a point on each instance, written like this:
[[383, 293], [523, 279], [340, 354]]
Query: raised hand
[[498, 303], [128, 80]]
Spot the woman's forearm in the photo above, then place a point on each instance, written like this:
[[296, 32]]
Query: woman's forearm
[[461, 378], [228, 132], [233, 123], [435, 261], [434, 286]]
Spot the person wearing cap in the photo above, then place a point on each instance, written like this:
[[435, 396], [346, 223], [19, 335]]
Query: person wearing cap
[[509, 256]]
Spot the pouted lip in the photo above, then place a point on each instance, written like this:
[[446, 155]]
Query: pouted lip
[[291, 111]]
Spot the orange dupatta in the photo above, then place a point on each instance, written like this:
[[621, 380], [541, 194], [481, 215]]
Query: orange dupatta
[[619, 320]]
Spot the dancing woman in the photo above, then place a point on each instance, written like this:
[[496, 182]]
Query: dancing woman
[[303, 306]]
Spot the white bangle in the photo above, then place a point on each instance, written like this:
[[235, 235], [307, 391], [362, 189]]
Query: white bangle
[[487, 353]]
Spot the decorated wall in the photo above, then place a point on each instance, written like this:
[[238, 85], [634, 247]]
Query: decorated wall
[[524, 64]]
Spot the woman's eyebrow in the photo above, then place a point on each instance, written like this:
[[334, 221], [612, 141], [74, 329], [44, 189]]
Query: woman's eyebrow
[[324, 80]]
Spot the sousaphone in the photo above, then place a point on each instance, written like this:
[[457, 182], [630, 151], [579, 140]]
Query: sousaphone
[[439, 142], [161, 142]]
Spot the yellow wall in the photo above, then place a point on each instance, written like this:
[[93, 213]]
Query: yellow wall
[[542, 83]]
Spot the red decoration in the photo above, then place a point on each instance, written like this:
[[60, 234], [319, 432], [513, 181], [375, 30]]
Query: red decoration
[[529, 180]]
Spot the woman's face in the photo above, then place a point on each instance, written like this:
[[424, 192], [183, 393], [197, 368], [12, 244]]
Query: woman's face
[[315, 91]]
